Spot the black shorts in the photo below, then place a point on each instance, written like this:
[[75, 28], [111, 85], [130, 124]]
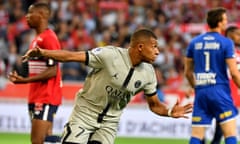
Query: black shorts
[[42, 111]]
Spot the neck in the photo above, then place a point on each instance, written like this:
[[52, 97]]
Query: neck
[[215, 30], [134, 57], [41, 28]]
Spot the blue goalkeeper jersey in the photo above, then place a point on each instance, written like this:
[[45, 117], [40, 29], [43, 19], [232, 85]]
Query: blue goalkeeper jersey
[[212, 92], [209, 52]]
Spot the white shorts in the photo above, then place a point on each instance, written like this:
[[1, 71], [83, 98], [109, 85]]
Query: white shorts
[[84, 127]]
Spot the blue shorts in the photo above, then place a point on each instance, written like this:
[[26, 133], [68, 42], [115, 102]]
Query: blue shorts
[[42, 111], [213, 102]]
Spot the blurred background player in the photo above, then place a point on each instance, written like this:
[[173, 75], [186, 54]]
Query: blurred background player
[[44, 77], [208, 56], [232, 32]]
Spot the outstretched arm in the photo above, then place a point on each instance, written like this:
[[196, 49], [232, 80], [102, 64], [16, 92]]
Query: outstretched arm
[[48, 73], [59, 55], [161, 109]]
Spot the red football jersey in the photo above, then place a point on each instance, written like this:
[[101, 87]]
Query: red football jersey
[[48, 91], [234, 89]]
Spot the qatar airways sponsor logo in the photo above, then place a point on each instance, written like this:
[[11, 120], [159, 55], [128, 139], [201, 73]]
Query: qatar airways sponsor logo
[[117, 93], [119, 96]]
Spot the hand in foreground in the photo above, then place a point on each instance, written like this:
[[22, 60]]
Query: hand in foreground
[[178, 111], [34, 52], [15, 78]]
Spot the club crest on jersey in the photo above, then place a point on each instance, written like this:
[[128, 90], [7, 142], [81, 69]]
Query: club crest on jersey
[[97, 50], [137, 84], [34, 44], [39, 39]]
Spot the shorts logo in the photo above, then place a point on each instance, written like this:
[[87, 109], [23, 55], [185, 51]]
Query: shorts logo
[[196, 119], [225, 114], [37, 108], [36, 112]]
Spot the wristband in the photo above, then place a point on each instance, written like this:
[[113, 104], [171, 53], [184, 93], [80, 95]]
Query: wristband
[[169, 113]]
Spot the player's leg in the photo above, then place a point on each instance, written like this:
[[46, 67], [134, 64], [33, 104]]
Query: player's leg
[[229, 131], [82, 123], [39, 130], [201, 118], [225, 115], [198, 133], [42, 121], [105, 135], [76, 133], [50, 138], [217, 135]]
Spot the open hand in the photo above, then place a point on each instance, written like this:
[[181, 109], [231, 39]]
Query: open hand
[[15, 78], [34, 52], [181, 111]]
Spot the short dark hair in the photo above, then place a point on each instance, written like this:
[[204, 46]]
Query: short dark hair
[[230, 29], [214, 16], [42, 5], [143, 33]]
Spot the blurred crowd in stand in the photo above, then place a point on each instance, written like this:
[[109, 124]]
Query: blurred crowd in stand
[[86, 24]]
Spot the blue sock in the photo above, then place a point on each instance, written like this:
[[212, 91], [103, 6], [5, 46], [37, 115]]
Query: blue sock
[[231, 140], [195, 140], [53, 139]]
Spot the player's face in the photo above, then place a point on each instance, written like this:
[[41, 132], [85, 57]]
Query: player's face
[[224, 21], [150, 51], [236, 37], [33, 17]]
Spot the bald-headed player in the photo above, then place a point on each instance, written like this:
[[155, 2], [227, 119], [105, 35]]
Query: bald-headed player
[[44, 76], [117, 75]]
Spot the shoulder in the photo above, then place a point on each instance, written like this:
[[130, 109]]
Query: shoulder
[[48, 31], [49, 39], [210, 37], [49, 34], [148, 67], [112, 48], [197, 37]]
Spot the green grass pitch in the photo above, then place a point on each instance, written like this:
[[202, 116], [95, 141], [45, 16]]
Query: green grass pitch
[[17, 138]]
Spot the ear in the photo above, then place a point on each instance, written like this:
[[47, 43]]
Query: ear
[[140, 46]]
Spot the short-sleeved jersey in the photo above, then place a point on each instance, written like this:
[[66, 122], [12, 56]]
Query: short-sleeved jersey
[[213, 99], [47, 91], [234, 89], [209, 52], [114, 81]]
